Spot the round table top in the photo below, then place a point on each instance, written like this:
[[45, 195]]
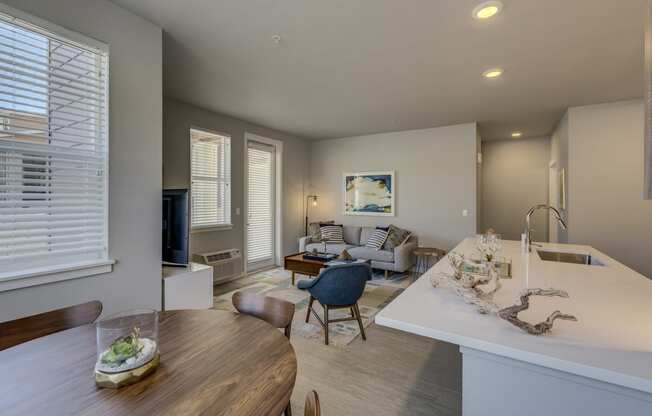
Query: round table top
[[212, 362]]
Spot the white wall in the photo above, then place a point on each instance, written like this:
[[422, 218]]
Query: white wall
[[135, 162], [435, 175], [179, 118], [515, 178], [559, 156], [606, 206]]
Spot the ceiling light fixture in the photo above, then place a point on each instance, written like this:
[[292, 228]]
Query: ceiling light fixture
[[487, 9], [492, 73], [517, 134]]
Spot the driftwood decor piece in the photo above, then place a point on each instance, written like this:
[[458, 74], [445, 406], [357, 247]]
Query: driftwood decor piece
[[468, 286], [510, 314]]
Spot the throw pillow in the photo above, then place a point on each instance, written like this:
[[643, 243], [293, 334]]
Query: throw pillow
[[377, 239], [395, 237], [344, 255], [313, 229], [332, 234]]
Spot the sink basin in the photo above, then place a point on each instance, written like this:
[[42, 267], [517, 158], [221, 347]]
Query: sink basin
[[575, 258]]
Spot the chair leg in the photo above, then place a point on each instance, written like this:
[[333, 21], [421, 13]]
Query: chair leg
[[386, 274], [326, 323], [357, 314], [288, 410], [309, 308]]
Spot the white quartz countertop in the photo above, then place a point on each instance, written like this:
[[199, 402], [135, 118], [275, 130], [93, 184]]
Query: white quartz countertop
[[611, 342]]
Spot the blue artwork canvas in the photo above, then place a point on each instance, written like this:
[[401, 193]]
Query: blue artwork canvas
[[369, 193]]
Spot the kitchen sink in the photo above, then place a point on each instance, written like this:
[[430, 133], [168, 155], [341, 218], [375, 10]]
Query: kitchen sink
[[565, 257]]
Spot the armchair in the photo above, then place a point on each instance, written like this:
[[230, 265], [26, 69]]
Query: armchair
[[338, 287]]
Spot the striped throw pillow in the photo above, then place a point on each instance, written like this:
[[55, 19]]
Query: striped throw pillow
[[377, 239], [332, 234]]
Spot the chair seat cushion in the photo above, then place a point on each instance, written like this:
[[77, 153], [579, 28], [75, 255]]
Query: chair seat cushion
[[367, 253], [330, 247]]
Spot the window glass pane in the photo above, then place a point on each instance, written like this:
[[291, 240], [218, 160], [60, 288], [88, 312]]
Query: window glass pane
[[210, 179], [53, 150]]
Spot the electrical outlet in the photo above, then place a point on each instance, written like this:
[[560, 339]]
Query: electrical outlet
[[237, 211], [465, 213]]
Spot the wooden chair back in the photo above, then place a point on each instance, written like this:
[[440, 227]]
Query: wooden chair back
[[312, 407], [276, 312], [26, 329]]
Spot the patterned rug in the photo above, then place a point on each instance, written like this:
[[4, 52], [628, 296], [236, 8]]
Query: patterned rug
[[277, 283]]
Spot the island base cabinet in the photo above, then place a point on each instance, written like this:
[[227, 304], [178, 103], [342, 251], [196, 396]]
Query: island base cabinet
[[495, 385]]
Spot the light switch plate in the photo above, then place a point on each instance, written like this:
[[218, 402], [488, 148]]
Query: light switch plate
[[465, 213]]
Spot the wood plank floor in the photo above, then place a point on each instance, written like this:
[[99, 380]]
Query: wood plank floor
[[392, 373]]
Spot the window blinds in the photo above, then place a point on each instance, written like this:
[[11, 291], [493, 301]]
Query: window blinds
[[210, 179], [260, 222], [53, 149]]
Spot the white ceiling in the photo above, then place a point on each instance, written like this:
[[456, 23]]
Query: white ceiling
[[352, 67]]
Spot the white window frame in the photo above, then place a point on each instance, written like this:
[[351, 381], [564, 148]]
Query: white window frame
[[218, 226], [49, 274]]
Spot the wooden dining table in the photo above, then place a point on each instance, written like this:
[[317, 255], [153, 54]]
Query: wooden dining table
[[212, 363]]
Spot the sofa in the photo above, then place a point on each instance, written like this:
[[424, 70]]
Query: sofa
[[400, 259]]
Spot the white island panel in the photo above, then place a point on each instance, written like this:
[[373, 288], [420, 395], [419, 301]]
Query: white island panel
[[611, 342]]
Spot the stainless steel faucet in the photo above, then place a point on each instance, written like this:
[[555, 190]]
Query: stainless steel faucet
[[528, 230]]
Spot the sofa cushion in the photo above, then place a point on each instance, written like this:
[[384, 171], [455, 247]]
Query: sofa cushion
[[330, 248], [352, 234], [395, 237], [367, 253]]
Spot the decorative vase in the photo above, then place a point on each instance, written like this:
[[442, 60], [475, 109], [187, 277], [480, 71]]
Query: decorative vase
[[127, 348]]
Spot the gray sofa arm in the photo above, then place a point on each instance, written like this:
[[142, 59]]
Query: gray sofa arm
[[303, 242], [404, 255]]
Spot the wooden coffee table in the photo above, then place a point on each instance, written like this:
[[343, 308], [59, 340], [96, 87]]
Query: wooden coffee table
[[297, 264]]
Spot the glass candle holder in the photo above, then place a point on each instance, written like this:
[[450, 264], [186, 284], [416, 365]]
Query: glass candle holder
[[127, 340]]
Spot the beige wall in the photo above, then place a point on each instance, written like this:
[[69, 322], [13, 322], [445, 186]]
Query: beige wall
[[435, 175], [515, 178], [135, 162], [179, 117], [606, 206]]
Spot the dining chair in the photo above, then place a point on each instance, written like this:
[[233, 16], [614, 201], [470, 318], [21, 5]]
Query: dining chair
[[338, 287], [26, 329], [276, 312], [312, 407]]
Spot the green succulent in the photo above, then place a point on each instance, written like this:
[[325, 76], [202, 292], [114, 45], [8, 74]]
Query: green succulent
[[122, 349]]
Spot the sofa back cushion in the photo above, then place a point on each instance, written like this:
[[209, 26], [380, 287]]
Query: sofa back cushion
[[352, 234]]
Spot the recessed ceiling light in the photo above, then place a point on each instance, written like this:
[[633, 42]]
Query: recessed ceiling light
[[487, 9], [517, 134], [492, 73]]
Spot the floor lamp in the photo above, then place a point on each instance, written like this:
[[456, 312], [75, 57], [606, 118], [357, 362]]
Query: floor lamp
[[310, 200]]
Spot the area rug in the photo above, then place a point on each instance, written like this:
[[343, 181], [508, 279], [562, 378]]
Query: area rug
[[379, 292]]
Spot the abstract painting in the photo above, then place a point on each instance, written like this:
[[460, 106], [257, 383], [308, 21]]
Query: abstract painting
[[369, 193]]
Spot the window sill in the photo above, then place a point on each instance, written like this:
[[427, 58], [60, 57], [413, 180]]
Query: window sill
[[44, 275], [211, 228]]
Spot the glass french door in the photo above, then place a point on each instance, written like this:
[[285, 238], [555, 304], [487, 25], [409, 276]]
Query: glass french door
[[261, 205]]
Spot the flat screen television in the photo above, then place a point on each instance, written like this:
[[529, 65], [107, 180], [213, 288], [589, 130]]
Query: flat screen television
[[175, 226]]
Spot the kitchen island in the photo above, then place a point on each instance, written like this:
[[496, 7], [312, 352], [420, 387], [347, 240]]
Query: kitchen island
[[600, 365]]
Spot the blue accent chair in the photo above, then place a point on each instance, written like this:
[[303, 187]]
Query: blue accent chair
[[338, 287]]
